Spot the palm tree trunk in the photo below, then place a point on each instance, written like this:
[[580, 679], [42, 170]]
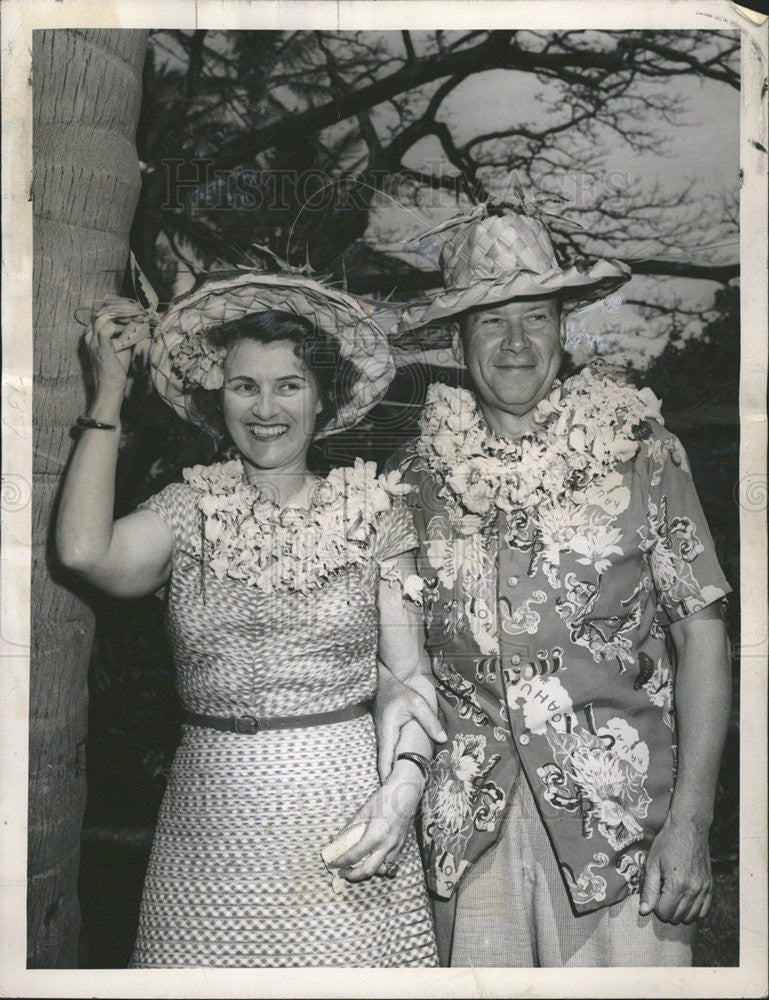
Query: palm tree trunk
[[87, 92]]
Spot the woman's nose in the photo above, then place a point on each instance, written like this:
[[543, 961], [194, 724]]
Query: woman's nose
[[263, 405]]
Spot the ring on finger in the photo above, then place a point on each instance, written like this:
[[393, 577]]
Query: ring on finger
[[390, 869]]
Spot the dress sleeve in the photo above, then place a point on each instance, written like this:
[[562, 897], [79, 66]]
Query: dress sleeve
[[683, 558], [175, 504], [394, 533]]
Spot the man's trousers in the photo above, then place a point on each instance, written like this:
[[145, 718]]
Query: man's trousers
[[511, 909]]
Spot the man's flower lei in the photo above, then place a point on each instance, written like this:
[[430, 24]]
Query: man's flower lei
[[582, 430], [248, 537]]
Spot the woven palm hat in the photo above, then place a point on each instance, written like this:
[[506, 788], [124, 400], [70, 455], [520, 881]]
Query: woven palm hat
[[510, 256], [182, 359]]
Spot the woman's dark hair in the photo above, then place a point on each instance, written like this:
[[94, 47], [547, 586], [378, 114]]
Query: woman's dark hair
[[313, 346]]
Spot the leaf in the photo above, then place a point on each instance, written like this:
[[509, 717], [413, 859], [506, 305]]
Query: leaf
[[645, 672], [145, 293]]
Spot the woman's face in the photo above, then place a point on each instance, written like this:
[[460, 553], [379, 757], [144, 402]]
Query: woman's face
[[270, 401]]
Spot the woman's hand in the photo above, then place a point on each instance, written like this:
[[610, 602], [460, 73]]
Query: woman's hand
[[396, 705], [117, 327], [387, 815]]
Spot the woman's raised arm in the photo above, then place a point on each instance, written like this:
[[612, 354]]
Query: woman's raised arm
[[132, 556]]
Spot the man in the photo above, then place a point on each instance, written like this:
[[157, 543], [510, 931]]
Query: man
[[573, 609]]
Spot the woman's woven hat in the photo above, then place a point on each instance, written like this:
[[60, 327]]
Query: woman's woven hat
[[510, 256], [182, 359]]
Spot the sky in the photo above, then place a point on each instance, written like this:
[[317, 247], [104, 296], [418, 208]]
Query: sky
[[703, 148]]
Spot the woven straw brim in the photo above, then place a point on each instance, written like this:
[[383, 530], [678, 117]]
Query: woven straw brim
[[227, 296], [576, 287]]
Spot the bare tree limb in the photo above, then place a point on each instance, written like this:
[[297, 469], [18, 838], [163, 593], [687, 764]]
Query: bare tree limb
[[585, 69]]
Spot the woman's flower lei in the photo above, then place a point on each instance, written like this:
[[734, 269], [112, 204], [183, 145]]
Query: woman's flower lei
[[584, 428], [248, 537]]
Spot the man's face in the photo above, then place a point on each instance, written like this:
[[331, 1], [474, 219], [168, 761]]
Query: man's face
[[513, 352]]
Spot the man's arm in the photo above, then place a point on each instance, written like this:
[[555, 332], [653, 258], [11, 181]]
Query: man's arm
[[677, 882], [388, 814], [402, 700]]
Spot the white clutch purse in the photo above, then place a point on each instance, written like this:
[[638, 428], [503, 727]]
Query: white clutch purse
[[346, 839]]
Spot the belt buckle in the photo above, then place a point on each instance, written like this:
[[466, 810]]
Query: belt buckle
[[246, 724]]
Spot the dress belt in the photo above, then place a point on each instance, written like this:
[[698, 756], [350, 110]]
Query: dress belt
[[250, 724]]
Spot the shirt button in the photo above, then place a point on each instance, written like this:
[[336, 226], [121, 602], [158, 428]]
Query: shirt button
[[512, 581], [515, 659], [523, 739]]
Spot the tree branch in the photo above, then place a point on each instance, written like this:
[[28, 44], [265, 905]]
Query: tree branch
[[581, 67]]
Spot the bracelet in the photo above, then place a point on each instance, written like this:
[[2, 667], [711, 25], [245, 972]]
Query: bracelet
[[88, 423], [421, 762]]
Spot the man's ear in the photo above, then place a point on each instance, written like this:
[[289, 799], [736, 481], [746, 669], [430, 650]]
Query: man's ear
[[563, 312], [456, 344]]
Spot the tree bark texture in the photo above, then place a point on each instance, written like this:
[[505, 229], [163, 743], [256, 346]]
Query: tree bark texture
[[87, 87]]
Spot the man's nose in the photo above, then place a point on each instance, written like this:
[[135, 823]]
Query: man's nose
[[515, 339]]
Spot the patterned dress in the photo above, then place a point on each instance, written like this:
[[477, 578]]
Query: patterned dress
[[235, 876]]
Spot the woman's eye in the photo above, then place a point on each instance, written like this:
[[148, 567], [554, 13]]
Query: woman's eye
[[290, 386], [244, 388]]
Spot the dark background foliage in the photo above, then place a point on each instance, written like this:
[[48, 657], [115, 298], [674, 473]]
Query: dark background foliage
[[219, 120]]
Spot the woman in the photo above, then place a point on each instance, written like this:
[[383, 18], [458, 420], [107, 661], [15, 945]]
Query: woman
[[283, 588]]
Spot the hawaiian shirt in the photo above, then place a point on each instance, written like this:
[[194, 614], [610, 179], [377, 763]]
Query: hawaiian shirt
[[556, 658]]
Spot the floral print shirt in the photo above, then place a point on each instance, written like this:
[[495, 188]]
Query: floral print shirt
[[550, 652]]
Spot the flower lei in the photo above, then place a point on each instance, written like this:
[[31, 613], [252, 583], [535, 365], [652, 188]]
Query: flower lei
[[197, 362], [582, 430], [248, 537]]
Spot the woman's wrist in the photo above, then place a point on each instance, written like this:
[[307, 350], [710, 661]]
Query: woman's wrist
[[106, 406]]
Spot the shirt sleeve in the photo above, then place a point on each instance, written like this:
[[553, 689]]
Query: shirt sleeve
[[394, 533], [683, 558]]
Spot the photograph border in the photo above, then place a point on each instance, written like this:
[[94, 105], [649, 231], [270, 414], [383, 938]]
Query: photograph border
[[18, 19]]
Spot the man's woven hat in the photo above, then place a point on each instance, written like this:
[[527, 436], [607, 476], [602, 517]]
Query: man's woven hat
[[510, 256], [182, 359]]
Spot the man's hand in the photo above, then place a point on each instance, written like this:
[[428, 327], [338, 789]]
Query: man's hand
[[677, 883], [397, 704]]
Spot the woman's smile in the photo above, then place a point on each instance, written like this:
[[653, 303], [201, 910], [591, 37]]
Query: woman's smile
[[267, 432], [270, 402]]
